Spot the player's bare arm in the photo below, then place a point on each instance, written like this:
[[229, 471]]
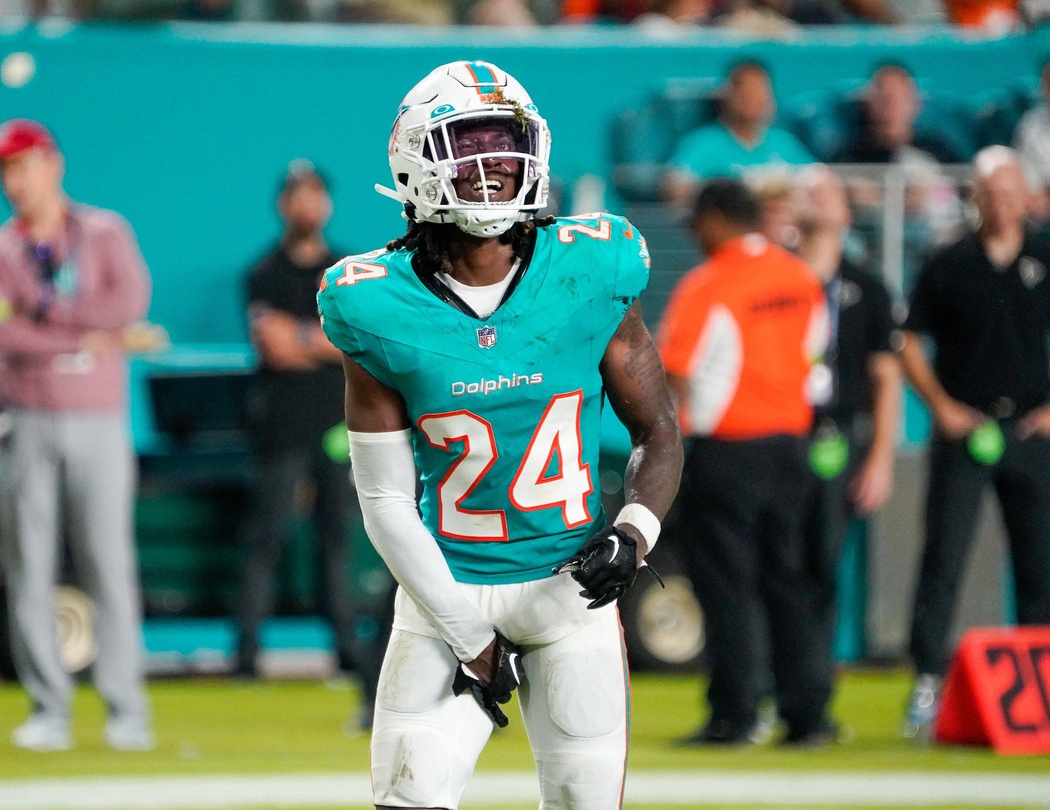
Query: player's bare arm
[[634, 380], [633, 377], [371, 407]]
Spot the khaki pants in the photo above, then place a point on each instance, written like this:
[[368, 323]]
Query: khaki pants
[[72, 475]]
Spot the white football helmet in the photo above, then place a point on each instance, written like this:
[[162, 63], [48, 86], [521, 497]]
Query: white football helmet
[[434, 141]]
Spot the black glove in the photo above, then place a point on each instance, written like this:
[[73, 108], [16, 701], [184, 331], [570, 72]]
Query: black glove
[[605, 566], [509, 675]]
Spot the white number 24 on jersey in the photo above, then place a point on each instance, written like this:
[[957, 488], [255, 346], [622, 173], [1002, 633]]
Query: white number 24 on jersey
[[558, 432]]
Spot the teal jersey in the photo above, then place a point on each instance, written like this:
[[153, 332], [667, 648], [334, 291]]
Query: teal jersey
[[505, 411], [713, 151]]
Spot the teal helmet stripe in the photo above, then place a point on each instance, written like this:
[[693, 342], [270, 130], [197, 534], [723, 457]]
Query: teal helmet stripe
[[487, 81]]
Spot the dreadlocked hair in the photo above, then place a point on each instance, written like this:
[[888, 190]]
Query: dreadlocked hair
[[431, 242]]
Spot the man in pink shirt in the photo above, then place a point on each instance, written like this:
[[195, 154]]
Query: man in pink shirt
[[71, 281]]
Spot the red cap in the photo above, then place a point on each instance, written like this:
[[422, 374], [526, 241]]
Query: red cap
[[20, 134]]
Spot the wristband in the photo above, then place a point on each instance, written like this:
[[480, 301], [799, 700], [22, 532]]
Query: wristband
[[643, 519]]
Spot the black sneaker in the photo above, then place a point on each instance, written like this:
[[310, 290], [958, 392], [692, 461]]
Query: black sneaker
[[721, 732], [246, 669]]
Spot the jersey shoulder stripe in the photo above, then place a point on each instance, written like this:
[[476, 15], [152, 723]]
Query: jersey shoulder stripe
[[358, 291], [603, 251]]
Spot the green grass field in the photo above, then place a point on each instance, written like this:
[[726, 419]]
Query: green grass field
[[224, 727]]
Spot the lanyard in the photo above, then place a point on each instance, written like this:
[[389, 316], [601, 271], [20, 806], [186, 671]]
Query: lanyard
[[49, 272], [833, 294]]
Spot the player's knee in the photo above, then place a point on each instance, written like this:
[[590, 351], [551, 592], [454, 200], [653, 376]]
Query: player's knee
[[591, 782], [425, 741], [414, 768], [582, 765]]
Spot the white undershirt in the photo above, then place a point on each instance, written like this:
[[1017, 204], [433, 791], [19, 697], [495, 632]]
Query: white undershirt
[[483, 300]]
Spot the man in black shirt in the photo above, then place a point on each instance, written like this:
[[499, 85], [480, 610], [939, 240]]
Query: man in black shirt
[[887, 133], [856, 419], [985, 302], [299, 397]]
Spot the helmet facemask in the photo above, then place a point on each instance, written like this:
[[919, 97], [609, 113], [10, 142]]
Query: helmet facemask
[[482, 170]]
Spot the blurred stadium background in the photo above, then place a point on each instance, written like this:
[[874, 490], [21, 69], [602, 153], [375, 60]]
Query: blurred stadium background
[[185, 129]]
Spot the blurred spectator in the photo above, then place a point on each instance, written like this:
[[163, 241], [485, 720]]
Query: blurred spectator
[[887, 134], [919, 12], [399, 12], [396, 12], [881, 12], [751, 17], [737, 339], [40, 9], [777, 209], [501, 13], [985, 303], [299, 399], [1032, 141], [71, 280], [739, 142], [192, 10], [506, 13], [589, 11], [992, 16], [207, 10], [855, 426], [831, 12], [667, 17], [805, 12]]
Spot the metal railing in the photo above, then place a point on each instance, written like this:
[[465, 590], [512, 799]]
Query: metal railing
[[902, 212]]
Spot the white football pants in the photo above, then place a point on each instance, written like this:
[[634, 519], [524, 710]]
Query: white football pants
[[574, 703]]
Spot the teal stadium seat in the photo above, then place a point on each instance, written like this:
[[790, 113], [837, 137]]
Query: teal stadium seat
[[826, 120], [997, 112], [641, 142], [643, 139], [950, 117], [690, 103]]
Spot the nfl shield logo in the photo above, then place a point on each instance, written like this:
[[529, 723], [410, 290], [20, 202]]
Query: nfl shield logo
[[487, 337]]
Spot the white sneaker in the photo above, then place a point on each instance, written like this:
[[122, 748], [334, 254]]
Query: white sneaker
[[43, 733], [922, 709], [129, 733], [768, 718]]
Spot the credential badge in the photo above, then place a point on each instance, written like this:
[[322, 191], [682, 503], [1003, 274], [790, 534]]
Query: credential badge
[[487, 337], [850, 293], [1032, 271]]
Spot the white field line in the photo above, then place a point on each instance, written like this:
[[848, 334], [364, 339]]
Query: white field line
[[672, 788]]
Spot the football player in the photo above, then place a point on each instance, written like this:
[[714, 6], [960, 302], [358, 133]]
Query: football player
[[479, 349]]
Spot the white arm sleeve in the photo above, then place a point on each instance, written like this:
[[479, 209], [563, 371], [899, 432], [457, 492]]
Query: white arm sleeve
[[385, 475]]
